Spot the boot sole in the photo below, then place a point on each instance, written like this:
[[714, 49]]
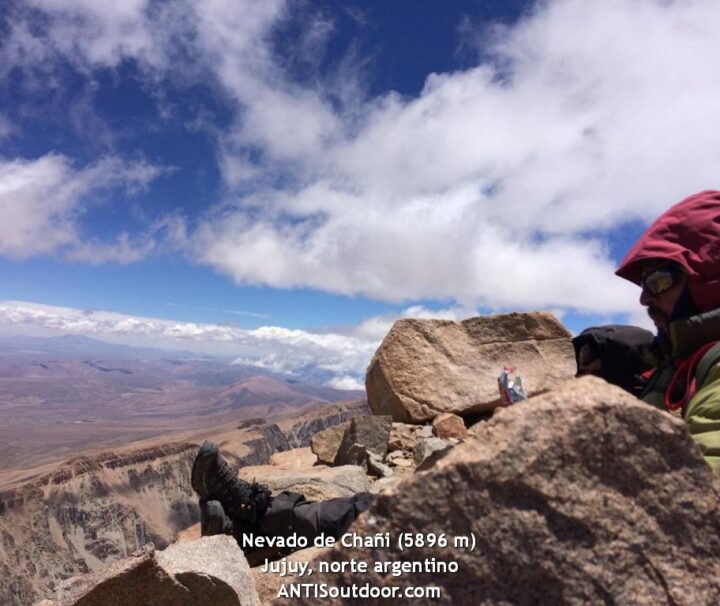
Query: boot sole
[[206, 450]]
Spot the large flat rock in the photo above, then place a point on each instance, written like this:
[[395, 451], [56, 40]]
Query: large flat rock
[[580, 496], [427, 367], [297, 458], [316, 483]]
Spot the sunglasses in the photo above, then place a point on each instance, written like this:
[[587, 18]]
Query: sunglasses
[[660, 279]]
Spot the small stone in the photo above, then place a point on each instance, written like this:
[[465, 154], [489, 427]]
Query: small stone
[[325, 443], [400, 458], [367, 431], [404, 436], [429, 450], [377, 468], [449, 425]]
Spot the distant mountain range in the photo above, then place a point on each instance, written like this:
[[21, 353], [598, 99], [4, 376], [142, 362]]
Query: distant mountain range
[[60, 395], [77, 344]]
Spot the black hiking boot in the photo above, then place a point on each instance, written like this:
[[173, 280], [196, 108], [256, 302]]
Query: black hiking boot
[[213, 480], [213, 519]]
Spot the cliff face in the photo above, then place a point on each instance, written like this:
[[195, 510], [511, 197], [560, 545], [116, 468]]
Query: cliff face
[[270, 440], [307, 425], [91, 512], [94, 510]]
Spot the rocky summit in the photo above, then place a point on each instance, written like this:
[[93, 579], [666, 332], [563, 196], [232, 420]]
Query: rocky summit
[[580, 496], [427, 367]]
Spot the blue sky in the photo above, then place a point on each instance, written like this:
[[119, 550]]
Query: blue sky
[[278, 181]]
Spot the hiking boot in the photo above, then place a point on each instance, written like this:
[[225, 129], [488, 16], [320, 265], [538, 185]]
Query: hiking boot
[[213, 480], [213, 519]]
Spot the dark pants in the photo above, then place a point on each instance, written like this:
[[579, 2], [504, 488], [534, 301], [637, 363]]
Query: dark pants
[[290, 513]]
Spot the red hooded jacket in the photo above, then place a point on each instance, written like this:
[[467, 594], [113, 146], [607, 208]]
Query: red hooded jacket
[[689, 234]]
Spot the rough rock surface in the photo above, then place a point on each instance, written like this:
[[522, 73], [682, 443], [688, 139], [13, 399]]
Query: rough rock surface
[[365, 434], [390, 483], [377, 468], [326, 443], [400, 458], [449, 425], [404, 436], [217, 557], [297, 458], [580, 496], [270, 440], [430, 448], [426, 367], [209, 572], [315, 483]]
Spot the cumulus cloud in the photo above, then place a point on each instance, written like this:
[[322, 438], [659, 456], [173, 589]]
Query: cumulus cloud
[[495, 186], [42, 202]]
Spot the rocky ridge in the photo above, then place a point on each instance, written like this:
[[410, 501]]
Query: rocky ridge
[[300, 430]]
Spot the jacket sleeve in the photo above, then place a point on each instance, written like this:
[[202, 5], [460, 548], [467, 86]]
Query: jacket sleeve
[[703, 418]]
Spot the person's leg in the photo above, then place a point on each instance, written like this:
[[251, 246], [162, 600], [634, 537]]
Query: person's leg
[[252, 510], [331, 517]]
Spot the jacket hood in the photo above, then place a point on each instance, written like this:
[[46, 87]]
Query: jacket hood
[[689, 234]]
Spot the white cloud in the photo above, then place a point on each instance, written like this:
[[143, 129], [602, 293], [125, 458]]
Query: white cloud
[[431, 247], [345, 382], [484, 187], [481, 189], [42, 202], [335, 359], [376, 327], [88, 33]]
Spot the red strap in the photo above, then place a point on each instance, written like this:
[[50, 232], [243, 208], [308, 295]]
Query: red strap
[[687, 369]]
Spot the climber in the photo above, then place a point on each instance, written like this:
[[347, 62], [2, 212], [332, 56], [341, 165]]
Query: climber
[[229, 505], [676, 262]]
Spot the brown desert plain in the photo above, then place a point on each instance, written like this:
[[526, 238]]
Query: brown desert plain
[[65, 396]]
